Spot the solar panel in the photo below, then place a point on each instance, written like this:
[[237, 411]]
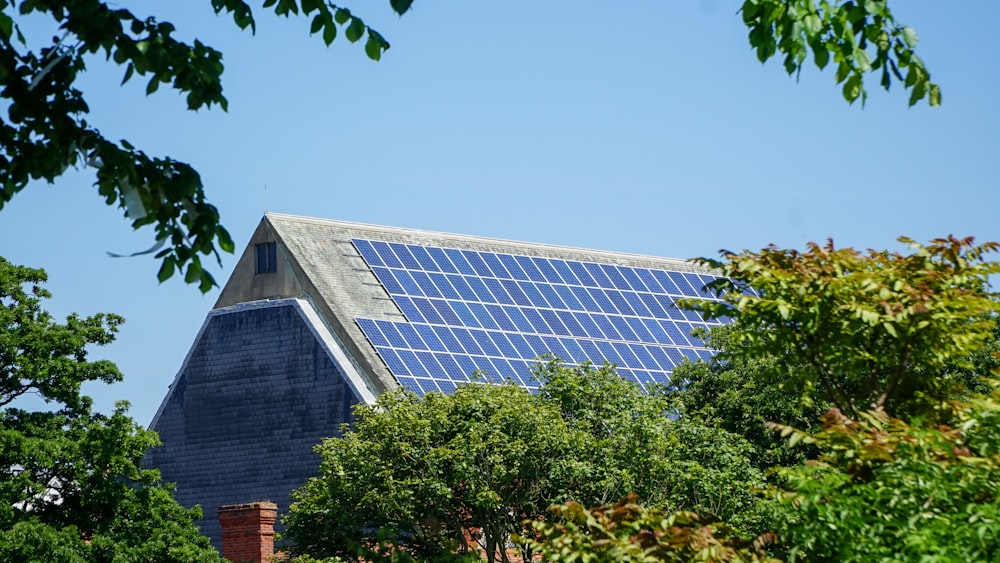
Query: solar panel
[[469, 312]]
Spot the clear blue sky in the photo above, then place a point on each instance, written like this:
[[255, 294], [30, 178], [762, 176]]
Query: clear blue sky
[[644, 126]]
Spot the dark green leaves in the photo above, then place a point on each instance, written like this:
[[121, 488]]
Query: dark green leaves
[[108, 508], [355, 30], [401, 6], [328, 17], [48, 137], [242, 14], [489, 457], [860, 37]]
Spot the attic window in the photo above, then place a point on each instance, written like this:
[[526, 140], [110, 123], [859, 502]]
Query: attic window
[[267, 258]]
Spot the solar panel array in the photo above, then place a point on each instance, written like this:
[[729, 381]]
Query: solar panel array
[[470, 311]]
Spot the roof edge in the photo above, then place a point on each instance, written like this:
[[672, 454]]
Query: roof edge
[[683, 264]]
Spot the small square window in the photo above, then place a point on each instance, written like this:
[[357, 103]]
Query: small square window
[[267, 258]]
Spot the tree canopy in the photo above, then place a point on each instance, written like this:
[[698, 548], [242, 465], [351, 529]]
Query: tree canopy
[[427, 474], [46, 130], [71, 486], [901, 350], [859, 330]]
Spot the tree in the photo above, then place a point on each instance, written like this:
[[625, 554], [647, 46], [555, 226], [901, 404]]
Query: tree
[[741, 395], [629, 533], [837, 325], [634, 444], [860, 331], [426, 474], [888, 490], [909, 334], [46, 129], [71, 487]]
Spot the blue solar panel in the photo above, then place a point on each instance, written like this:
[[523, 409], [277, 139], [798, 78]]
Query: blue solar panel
[[515, 269], [467, 311], [404, 255]]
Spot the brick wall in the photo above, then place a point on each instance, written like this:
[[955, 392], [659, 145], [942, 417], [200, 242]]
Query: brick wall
[[248, 531]]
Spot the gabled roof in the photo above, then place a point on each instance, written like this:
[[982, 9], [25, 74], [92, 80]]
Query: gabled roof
[[425, 308]]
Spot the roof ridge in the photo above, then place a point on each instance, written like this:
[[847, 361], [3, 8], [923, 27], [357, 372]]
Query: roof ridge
[[475, 238]]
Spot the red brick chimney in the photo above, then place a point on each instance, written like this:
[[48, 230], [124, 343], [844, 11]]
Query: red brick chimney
[[248, 531]]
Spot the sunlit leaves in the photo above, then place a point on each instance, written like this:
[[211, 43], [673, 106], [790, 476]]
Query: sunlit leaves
[[887, 490], [486, 458], [861, 328], [71, 485], [629, 533], [861, 37]]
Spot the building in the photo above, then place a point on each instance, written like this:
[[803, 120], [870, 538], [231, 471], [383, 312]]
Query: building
[[320, 315]]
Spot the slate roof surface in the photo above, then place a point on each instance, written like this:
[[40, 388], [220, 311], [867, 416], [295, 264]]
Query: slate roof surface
[[257, 392]]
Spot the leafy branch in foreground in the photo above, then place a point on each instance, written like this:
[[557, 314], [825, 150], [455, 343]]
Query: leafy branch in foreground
[[858, 36], [46, 131]]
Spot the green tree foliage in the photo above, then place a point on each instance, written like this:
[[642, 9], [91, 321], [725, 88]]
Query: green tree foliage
[[629, 533], [71, 488], [45, 130], [741, 396], [421, 475], [887, 490], [917, 333], [857, 36], [744, 393], [875, 330]]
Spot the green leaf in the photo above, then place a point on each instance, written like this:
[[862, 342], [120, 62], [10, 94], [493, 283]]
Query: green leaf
[[852, 88], [128, 73], [193, 272], [935, 95], [862, 62], [6, 25], [401, 6], [812, 24], [355, 30], [784, 310], [910, 37], [310, 5], [373, 48], [207, 282], [342, 15], [317, 23], [821, 55], [225, 241], [166, 269], [329, 33]]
